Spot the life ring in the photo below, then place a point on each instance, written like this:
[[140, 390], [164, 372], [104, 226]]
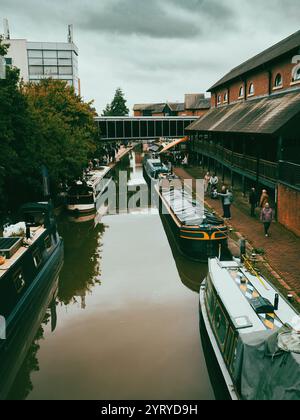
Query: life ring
[[2, 260]]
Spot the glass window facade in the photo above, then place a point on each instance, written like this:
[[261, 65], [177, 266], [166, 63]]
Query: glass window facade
[[49, 54], [58, 64], [35, 53], [64, 54]]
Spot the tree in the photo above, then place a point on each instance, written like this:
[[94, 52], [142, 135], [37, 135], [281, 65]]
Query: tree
[[118, 106], [13, 119], [63, 133]]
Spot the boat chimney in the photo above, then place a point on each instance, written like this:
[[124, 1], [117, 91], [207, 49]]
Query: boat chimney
[[27, 231], [276, 302]]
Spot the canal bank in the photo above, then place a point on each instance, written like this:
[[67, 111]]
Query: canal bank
[[127, 317], [280, 261]]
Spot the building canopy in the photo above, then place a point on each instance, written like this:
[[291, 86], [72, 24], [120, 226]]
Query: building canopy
[[265, 115]]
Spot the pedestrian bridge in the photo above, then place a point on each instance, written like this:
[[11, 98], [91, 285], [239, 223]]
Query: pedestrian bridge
[[142, 128]]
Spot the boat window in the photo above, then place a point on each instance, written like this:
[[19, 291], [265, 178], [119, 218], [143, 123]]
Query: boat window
[[48, 242], [229, 346], [220, 325], [19, 281], [37, 258], [211, 300], [233, 356]]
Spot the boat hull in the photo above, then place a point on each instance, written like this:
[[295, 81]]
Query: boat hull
[[205, 327], [23, 323], [195, 242]]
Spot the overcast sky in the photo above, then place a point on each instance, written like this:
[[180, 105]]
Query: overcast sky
[[155, 50]]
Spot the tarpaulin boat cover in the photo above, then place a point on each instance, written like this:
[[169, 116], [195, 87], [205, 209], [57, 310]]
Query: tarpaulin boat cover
[[264, 371]]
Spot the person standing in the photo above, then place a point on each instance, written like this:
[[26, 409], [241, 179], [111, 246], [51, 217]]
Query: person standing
[[214, 181], [228, 200], [264, 199], [223, 191], [267, 217], [253, 201], [206, 182]]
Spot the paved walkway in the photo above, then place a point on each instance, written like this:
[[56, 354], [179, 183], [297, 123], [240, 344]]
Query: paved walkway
[[282, 247]]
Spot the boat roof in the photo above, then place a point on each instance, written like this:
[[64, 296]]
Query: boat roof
[[187, 210], [37, 232], [237, 295], [94, 176], [156, 163]]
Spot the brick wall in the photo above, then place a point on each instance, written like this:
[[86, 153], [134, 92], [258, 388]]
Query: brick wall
[[260, 80], [289, 208]]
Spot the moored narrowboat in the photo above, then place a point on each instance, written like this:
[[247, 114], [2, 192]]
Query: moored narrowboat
[[200, 234], [153, 168], [83, 195], [29, 269], [254, 332]]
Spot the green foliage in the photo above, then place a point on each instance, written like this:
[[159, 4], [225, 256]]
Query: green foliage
[[118, 106], [41, 124]]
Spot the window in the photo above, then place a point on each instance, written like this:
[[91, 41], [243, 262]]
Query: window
[[36, 70], [211, 300], [251, 89], [35, 62], [226, 97], [64, 54], [50, 70], [65, 70], [241, 92], [48, 243], [50, 54], [50, 61], [8, 61], [64, 62], [296, 73], [278, 80], [35, 54], [37, 258], [220, 325], [219, 99], [19, 281]]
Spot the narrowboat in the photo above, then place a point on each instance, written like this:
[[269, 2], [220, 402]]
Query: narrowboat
[[83, 195], [200, 234], [29, 269], [153, 168], [254, 332]]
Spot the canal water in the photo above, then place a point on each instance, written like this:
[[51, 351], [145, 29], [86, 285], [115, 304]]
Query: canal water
[[127, 321]]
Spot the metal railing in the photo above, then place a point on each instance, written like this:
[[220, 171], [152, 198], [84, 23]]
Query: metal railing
[[289, 173], [250, 164]]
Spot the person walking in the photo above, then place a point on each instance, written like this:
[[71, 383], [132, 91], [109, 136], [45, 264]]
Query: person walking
[[267, 217], [264, 199], [206, 182], [214, 181], [223, 191], [228, 200], [253, 201]]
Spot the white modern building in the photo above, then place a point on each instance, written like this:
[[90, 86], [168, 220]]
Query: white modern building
[[40, 60]]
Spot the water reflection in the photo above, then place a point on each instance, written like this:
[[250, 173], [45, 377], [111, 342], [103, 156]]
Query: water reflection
[[138, 337], [82, 266], [21, 360]]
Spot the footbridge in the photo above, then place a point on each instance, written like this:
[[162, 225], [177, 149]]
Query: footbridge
[[142, 128]]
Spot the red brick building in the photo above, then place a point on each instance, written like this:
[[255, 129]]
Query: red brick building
[[194, 105], [252, 132]]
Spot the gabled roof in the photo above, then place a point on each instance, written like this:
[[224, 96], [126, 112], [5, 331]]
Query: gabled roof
[[283, 47], [256, 116]]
